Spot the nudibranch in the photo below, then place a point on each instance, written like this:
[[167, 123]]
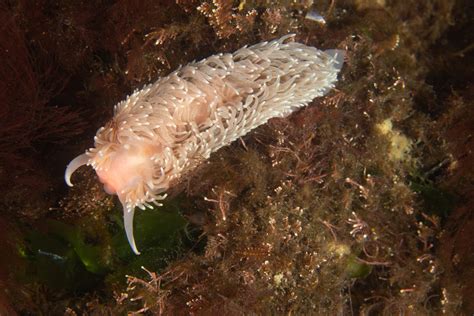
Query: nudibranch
[[164, 130]]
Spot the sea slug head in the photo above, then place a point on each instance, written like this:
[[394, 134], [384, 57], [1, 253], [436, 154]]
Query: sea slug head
[[127, 170]]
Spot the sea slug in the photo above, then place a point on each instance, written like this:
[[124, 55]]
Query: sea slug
[[163, 131]]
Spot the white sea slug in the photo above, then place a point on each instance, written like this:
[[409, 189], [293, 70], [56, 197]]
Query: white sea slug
[[166, 129]]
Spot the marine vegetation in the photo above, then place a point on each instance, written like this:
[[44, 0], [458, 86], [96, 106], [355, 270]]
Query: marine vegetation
[[357, 203]]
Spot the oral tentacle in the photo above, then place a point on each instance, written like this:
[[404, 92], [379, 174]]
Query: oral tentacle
[[128, 213], [75, 164]]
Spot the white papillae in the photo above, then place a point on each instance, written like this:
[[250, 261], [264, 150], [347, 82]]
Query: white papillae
[[178, 121]]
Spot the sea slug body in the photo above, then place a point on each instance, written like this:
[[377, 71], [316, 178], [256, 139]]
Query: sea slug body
[[164, 130]]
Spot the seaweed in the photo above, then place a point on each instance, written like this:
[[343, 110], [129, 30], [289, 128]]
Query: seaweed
[[358, 203]]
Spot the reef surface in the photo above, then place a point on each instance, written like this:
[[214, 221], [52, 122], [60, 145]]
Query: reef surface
[[355, 204]]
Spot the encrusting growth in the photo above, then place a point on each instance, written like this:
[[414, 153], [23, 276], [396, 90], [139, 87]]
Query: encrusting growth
[[166, 129]]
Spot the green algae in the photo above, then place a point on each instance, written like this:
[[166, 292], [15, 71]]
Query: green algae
[[64, 256], [357, 269], [436, 201], [60, 258]]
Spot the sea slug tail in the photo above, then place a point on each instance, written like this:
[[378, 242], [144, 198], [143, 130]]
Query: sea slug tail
[[338, 55]]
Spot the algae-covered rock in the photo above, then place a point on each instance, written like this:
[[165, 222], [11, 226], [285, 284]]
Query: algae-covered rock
[[354, 205]]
